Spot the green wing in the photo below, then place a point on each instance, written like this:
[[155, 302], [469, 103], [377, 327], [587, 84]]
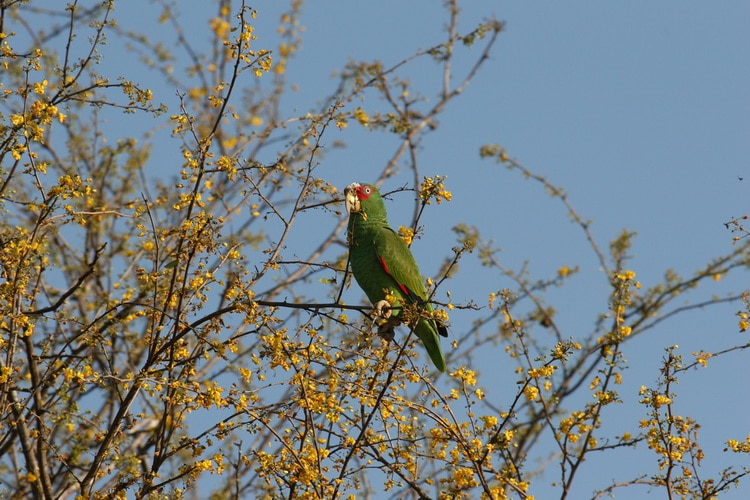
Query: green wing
[[397, 261]]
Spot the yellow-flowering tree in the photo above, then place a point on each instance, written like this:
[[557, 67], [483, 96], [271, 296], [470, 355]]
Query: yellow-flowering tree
[[177, 330]]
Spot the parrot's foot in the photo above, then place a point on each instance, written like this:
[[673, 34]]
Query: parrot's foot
[[383, 309], [386, 328], [386, 322]]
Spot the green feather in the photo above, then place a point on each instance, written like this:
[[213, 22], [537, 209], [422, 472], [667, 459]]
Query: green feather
[[382, 264]]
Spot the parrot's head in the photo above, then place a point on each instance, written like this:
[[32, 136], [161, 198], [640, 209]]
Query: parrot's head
[[359, 197]]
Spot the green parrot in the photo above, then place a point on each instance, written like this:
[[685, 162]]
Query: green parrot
[[383, 266]]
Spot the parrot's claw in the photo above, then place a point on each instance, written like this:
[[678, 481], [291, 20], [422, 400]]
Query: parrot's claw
[[383, 309], [385, 330]]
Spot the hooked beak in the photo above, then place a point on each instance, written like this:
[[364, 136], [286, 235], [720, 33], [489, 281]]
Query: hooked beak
[[351, 200]]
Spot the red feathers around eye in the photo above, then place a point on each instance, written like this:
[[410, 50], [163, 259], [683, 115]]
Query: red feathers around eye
[[364, 192]]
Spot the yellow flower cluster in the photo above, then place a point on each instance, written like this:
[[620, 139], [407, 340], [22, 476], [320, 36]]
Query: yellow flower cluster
[[625, 275], [575, 424], [434, 188], [494, 151], [301, 466], [463, 478], [82, 376], [542, 372], [702, 358], [466, 376], [531, 392], [671, 447], [211, 396], [406, 233], [35, 120], [362, 117], [72, 186], [739, 447], [440, 315], [563, 349], [744, 321], [653, 398]]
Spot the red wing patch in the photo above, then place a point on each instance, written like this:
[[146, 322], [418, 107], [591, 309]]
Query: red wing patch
[[404, 289]]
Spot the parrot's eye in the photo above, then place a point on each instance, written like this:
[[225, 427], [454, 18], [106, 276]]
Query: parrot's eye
[[365, 192]]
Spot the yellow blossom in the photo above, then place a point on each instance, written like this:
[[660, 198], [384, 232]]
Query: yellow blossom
[[39, 87], [361, 116], [702, 358], [543, 371], [468, 377], [489, 421], [739, 447], [433, 187], [406, 233], [531, 392]]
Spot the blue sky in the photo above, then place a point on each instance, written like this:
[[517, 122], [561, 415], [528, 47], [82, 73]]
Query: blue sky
[[640, 110]]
